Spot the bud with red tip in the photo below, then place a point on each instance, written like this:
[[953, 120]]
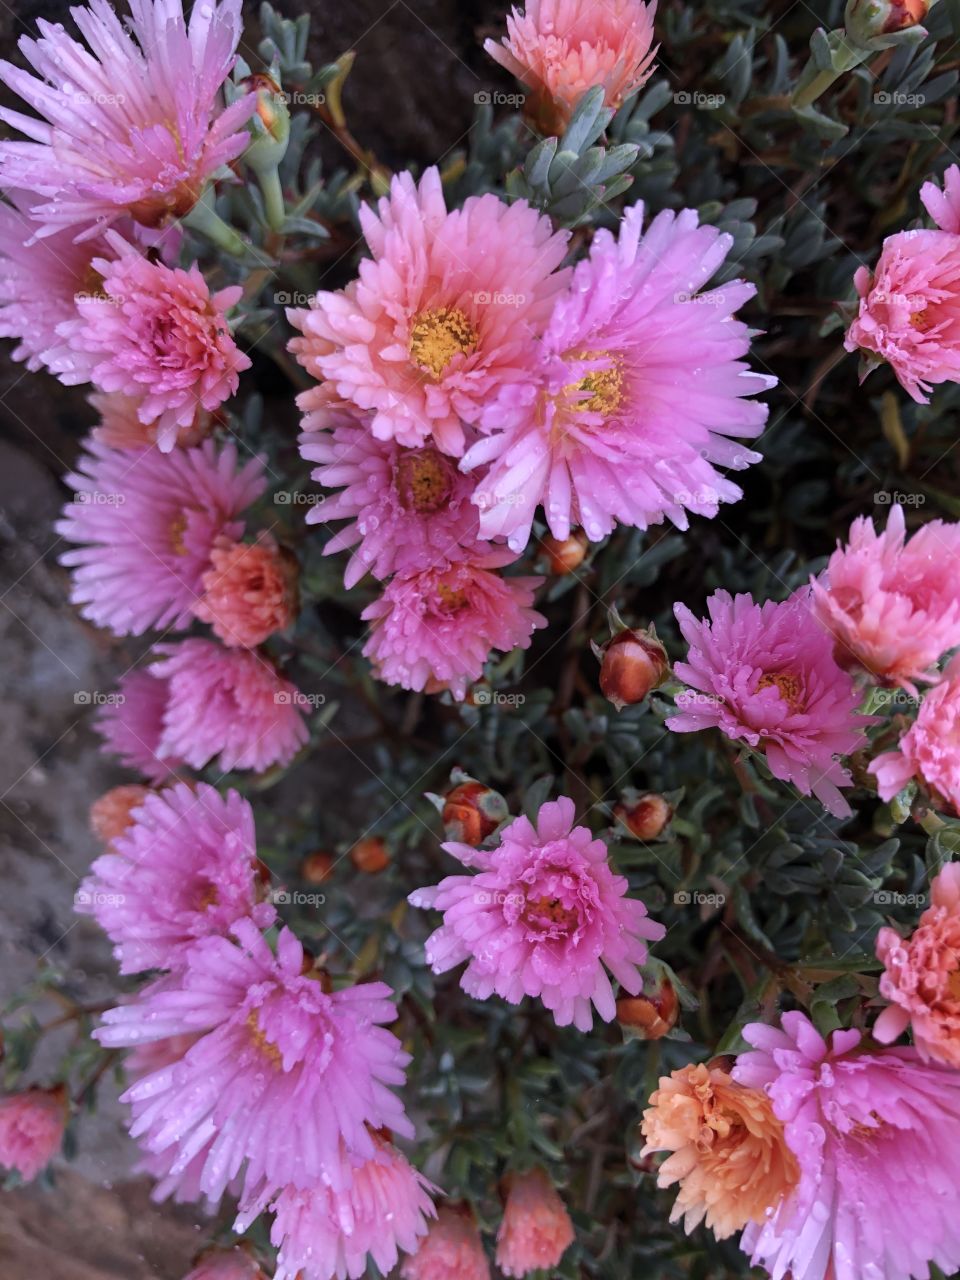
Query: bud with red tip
[[651, 1015], [471, 811], [632, 664], [370, 855], [564, 555], [644, 816], [871, 22], [317, 867]]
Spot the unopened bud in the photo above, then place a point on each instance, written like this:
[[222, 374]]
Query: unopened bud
[[111, 815], [269, 124], [651, 1015], [869, 21], [646, 817], [564, 555], [471, 811], [317, 867], [632, 665], [370, 855]]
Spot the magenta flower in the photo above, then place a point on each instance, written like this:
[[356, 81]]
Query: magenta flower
[[282, 1073], [131, 126], [943, 206], [892, 605], [442, 316], [322, 1233], [31, 1129], [910, 311], [409, 509], [131, 725], [156, 333], [146, 522], [765, 675], [638, 386], [877, 1137], [185, 868], [438, 627], [927, 752], [230, 704], [542, 917]]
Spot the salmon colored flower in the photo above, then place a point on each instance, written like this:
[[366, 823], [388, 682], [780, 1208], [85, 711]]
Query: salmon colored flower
[[110, 816], [452, 1250], [536, 1229], [31, 1129], [250, 591], [927, 752]]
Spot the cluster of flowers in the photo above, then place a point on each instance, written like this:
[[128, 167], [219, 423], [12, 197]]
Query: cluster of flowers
[[787, 679], [837, 1159]]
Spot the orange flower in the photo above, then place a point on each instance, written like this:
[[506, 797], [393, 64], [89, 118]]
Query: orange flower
[[536, 1229], [729, 1154], [111, 814], [250, 591]]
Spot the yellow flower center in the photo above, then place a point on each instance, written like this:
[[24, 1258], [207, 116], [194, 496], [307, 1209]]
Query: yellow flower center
[[546, 910], [923, 320], [424, 480], [601, 390], [437, 336], [261, 1043], [178, 527], [788, 686], [452, 599]]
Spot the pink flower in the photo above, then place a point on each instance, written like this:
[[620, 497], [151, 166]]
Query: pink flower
[[927, 752], [131, 725], [409, 509], [120, 426], [877, 1136], [321, 1232], [910, 311], [230, 704], [185, 868], [156, 333], [638, 385], [233, 1265], [249, 591], [542, 917], [31, 1129], [765, 675], [944, 206], [146, 522], [922, 976], [561, 48], [131, 126], [452, 1250], [443, 314], [536, 1229], [441, 624], [282, 1072], [893, 606]]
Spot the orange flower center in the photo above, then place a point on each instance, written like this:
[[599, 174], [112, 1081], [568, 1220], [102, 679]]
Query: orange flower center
[[546, 910], [923, 320], [178, 527], [787, 685], [439, 335], [452, 599], [423, 480], [261, 1043]]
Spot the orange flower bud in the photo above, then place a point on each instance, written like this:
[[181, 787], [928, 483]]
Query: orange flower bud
[[565, 554], [370, 855], [645, 817], [651, 1015], [110, 815], [868, 20], [316, 868], [634, 663], [471, 811]]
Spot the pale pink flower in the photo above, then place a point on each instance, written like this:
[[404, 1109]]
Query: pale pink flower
[[922, 976], [892, 604], [186, 867], [408, 509], [120, 426], [560, 49], [544, 916], [31, 1129], [765, 675], [927, 752], [132, 125], [131, 725], [235, 1264], [638, 386], [877, 1138], [452, 1250], [910, 311], [444, 313], [441, 624], [156, 333], [321, 1232], [282, 1077], [536, 1229], [231, 704], [943, 205], [249, 591], [146, 523]]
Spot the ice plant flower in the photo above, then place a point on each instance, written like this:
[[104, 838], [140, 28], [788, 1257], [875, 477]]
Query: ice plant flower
[[120, 426], [249, 591], [131, 725], [893, 604], [452, 1250], [146, 523], [440, 624], [765, 675], [943, 205], [560, 49], [111, 814], [322, 1233], [156, 333], [132, 124], [444, 313], [927, 752], [281, 1075], [228, 704], [542, 917], [638, 386], [235, 1264], [909, 314], [877, 1139], [185, 868], [408, 509], [536, 1229], [31, 1129], [921, 976], [728, 1151]]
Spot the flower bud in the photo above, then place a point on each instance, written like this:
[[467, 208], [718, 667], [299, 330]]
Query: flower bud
[[370, 855], [633, 663], [565, 554], [317, 867], [651, 1015], [110, 816], [646, 817], [867, 21], [471, 811], [269, 125]]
